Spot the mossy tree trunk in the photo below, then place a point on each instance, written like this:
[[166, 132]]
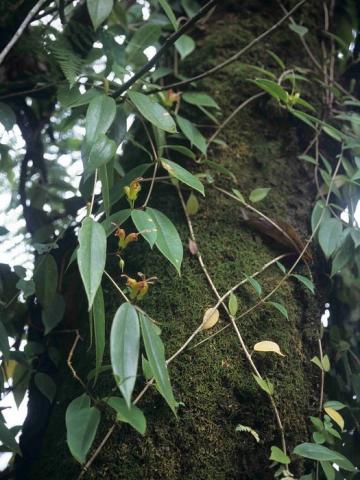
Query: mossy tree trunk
[[214, 380]]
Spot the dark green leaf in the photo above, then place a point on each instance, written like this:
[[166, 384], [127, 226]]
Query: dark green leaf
[[280, 308], [185, 45], [98, 315], [124, 349], [7, 116], [155, 352], [305, 281], [133, 415], [183, 175], [7, 438], [198, 98], [46, 385], [99, 116], [91, 256], [329, 235], [153, 111], [192, 134], [101, 152], [145, 225], [53, 313], [46, 279], [99, 10], [82, 422], [321, 453], [167, 240], [169, 13]]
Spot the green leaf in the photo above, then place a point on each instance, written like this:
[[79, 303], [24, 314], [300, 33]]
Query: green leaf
[[26, 286], [335, 404], [46, 279], [305, 281], [124, 349], [299, 29], [326, 363], [316, 361], [264, 384], [280, 308], [181, 149], [255, 284], [202, 99], [185, 45], [153, 111], [192, 134], [143, 37], [82, 422], [192, 204], [7, 116], [91, 256], [183, 175], [277, 455], [330, 235], [102, 151], [4, 341], [233, 304], [319, 213], [169, 13], [168, 240], [7, 438], [99, 10], [273, 88], [155, 352], [99, 116], [53, 313], [45, 385], [116, 219], [328, 469], [145, 225], [258, 194], [98, 316], [239, 195], [133, 415], [314, 451]]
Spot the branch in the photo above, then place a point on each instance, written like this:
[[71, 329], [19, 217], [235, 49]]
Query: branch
[[21, 29], [166, 45]]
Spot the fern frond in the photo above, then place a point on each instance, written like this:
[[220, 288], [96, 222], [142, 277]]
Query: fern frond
[[245, 428], [69, 63]]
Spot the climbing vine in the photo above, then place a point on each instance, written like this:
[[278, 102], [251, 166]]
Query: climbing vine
[[111, 80]]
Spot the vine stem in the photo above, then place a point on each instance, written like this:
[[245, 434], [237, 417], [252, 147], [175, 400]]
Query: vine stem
[[170, 359], [21, 29], [91, 206], [234, 57], [166, 45], [236, 328], [233, 114]]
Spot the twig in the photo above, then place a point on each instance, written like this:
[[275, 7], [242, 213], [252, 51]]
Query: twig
[[165, 46], [21, 29], [69, 363], [151, 185], [233, 114], [236, 328], [93, 193], [233, 58]]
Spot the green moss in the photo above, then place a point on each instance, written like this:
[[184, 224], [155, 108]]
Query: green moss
[[213, 380]]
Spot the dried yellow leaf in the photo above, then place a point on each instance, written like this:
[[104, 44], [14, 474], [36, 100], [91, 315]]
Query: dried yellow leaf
[[268, 346], [211, 317], [334, 415]]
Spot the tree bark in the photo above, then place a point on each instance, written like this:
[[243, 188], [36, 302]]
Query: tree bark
[[214, 380]]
